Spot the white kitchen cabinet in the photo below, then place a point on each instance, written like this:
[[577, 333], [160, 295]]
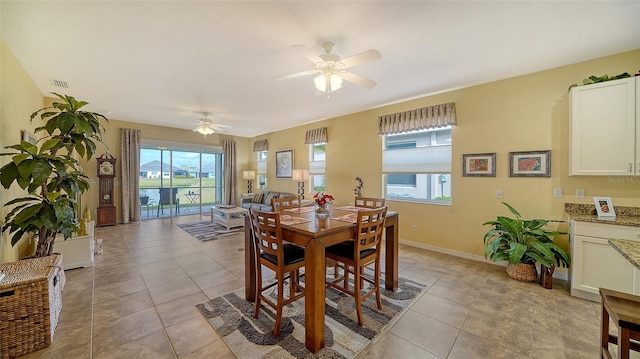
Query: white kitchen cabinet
[[605, 129], [595, 264]]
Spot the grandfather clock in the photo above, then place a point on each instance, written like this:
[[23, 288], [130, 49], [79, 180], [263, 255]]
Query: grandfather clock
[[106, 177]]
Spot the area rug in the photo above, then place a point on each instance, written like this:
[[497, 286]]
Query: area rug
[[232, 318], [207, 231]]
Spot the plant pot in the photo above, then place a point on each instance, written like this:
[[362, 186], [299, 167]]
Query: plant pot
[[522, 272]]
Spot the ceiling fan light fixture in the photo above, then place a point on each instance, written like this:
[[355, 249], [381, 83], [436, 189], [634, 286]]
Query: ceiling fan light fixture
[[204, 130], [328, 82]]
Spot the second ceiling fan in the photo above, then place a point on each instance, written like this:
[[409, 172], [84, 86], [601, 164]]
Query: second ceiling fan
[[331, 69]]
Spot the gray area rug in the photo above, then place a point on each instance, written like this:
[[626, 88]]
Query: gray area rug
[[207, 231], [232, 318]]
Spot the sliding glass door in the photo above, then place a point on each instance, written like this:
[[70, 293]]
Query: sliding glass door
[[178, 180]]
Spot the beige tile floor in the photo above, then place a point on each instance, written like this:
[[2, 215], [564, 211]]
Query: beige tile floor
[[139, 302]]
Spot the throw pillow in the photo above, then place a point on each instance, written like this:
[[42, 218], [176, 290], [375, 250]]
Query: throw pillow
[[257, 197], [269, 197]]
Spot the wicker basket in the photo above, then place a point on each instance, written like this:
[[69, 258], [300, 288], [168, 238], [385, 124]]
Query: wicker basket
[[522, 272], [30, 304]]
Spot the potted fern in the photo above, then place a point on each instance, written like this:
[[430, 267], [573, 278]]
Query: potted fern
[[50, 173], [523, 243]]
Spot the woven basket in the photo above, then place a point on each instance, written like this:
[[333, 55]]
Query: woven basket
[[522, 272], [30, 303]]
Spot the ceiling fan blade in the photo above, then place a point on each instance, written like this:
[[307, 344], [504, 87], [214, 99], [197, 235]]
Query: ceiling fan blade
[[358, 80], [221, 125], [361, 58], [306, 52], [297, 74]]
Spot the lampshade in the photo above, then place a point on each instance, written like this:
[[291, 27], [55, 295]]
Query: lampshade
[[300, 175], [249, 175], [328, 81]]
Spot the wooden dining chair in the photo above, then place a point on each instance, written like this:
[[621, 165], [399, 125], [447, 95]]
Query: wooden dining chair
[[279, 204], [369, 202], [354, 255], [284, 259]]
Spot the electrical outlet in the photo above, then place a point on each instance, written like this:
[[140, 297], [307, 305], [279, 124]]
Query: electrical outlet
[[579, 193], [414, 228], [498, 193], [557, 192]]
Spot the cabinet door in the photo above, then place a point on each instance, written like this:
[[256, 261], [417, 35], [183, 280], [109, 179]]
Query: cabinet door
[[602, 128], [596, 264]]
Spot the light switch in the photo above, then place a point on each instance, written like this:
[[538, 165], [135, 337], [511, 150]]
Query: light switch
[[557, 192], [498, 193], [579, 193]]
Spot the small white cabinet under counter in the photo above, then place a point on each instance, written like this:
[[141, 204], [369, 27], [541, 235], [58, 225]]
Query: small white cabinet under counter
[[595, 264]]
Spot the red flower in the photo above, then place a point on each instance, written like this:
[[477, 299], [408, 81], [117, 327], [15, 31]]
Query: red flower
[[322, 198]]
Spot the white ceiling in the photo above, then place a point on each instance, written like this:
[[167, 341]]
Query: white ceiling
[[166, 62]]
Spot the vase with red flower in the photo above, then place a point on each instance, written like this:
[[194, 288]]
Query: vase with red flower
[[322, 203]]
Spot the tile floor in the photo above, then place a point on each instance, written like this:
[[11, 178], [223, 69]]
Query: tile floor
[[139, 302]]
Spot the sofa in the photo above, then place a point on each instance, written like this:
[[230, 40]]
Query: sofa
[[262, 201]]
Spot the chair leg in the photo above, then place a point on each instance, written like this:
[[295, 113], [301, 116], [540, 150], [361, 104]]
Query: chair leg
[[256, 311], [377, 283], [293, 280], [279, 305], [357, 284]]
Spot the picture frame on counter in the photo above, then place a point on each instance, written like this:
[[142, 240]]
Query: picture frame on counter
[[604, 207]]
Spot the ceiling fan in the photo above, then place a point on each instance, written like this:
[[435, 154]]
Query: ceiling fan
[[331, 69], [207, 127]]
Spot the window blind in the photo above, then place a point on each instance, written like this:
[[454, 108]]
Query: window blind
[[419, 119]]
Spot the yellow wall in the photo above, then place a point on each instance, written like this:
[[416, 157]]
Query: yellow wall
[[19, 98], [528, 112]]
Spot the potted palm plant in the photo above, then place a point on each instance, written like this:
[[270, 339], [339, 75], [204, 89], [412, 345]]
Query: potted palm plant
[[50, 173], [523, 243]]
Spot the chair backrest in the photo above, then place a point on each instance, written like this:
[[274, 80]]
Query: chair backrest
[[267, 233], [279, 204], [369, 202], [164, 196], [369, 229]]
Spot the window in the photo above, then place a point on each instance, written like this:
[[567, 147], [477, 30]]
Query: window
[[262, 170], [194, 173], [417, 166], [317, 164]]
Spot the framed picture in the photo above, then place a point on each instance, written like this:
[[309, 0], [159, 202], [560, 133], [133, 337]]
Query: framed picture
[[284, 164], [530, 164], [479, 165], [604, 207], [29, 137]]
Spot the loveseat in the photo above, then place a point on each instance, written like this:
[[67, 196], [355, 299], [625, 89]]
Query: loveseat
[[262, 200]]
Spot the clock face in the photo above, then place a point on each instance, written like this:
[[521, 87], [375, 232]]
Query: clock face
[[106, 168]]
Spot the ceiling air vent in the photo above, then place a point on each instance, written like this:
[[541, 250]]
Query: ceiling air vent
[[59, 83]]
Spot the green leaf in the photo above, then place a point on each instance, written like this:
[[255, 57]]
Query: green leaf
[[19, 158], [8, 174], [516, 252]]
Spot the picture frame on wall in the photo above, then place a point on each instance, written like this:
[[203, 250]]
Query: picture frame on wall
[[29, 137], [604, 207], [284, 164], [530, 164], [479, 165]]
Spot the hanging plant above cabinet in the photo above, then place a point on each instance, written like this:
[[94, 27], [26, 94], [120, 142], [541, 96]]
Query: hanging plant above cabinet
[[595, 79]]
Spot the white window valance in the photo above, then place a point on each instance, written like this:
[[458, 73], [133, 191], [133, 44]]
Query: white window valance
[[419, 119], [317, 135], [261, 145]]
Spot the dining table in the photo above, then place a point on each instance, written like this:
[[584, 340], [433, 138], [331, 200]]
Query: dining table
[[303, 227]]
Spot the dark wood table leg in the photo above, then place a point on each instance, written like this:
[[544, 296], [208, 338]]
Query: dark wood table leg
[[249, 262], [314, 295], [391, 253]]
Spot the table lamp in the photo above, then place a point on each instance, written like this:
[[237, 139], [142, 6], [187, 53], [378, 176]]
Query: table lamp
[[249, 176], [301, 176]]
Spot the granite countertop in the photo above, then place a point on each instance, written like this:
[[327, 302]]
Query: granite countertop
[[629, 249], [625, 216]]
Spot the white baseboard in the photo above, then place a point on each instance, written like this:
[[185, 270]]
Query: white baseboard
[[475, 257]]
